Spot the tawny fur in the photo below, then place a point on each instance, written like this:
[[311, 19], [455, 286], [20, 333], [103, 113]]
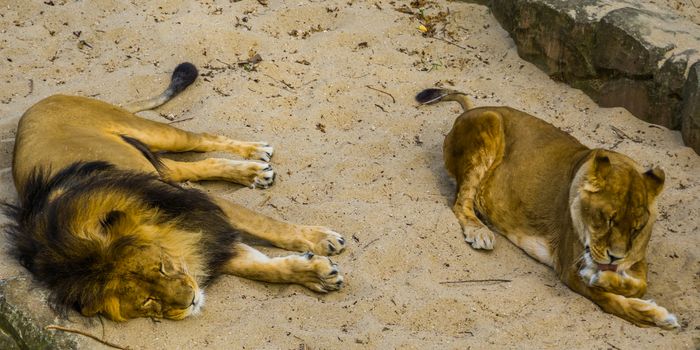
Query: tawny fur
[[587, 213], [101, 224]]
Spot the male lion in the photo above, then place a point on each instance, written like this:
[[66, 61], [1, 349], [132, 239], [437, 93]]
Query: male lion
[[101, 222], [586, 213]]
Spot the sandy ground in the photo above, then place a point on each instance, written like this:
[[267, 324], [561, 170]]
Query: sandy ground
[[689, 9], [364, 162]]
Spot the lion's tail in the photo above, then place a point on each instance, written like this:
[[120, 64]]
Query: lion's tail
[[183, 75], [429, 96]]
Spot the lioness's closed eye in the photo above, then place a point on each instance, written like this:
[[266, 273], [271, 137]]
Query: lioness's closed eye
[[103, 224], [586, 213]]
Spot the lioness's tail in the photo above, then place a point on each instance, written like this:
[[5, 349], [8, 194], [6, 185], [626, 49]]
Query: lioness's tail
[[429, 96], [184, 75]]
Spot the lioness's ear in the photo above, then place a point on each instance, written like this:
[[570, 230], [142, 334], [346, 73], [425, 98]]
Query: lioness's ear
[[654, 180], [601, 165], [600, 168]]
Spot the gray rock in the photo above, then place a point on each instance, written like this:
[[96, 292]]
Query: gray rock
[[7, 342], [621, 53], [23, 316], [691, 109]]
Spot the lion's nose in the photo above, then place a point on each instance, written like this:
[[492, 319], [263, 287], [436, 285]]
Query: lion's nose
[[183, 295]]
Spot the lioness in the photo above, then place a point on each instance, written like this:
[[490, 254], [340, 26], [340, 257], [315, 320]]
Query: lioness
[[588, 213], [103, 224]]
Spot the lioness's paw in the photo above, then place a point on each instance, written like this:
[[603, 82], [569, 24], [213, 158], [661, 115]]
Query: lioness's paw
[[319, 273], [479, 237], [587, 274], [613, 282], [604, 279], [670, 322], [651, 314], [322, 240]]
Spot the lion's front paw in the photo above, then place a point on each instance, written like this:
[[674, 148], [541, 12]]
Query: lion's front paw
[[479, 237], [264, 177], [260, 150], [318, 273], [322, 240], [256, 174]]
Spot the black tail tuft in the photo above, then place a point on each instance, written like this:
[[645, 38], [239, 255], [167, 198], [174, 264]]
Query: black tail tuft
[[184, 75], [430, 95]]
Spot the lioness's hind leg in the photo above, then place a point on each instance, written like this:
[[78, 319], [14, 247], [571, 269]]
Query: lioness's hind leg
[[472, 149], [475, 233], [244, 172], [315, 272], [318, 239], [163, 137]]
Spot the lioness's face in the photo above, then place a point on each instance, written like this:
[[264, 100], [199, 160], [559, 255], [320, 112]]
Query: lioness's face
[[614, 213], [147, 283], [614, 220]]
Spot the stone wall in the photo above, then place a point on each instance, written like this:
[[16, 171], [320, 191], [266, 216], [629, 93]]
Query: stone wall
[[622, 53]]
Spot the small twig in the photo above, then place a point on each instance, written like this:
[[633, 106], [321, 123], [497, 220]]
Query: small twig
[[621, 134], [380, 107], [289, 86], [228, 65], [384, 92], [613, 346], [180, 120], [102, 322], [77, 331], [450, 42], [476, 281], [308, 82], [220, 92], [265, 201], [370, 242], [31, 87], [358, 77]]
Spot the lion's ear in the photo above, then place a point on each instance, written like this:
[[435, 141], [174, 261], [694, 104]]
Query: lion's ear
[[90, 310], [109, 307], [654, 180], [599, 170]]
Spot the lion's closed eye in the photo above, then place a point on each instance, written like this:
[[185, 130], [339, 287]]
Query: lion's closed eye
[[162, 269], [149, 302]]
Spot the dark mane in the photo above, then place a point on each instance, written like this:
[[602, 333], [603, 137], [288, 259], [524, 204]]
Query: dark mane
[[76, 269]]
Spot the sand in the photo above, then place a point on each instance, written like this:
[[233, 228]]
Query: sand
[[688, 9], [365, 162]]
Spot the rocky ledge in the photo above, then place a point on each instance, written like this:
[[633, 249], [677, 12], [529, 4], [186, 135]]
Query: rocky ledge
[[24, 313], [622, 53]]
